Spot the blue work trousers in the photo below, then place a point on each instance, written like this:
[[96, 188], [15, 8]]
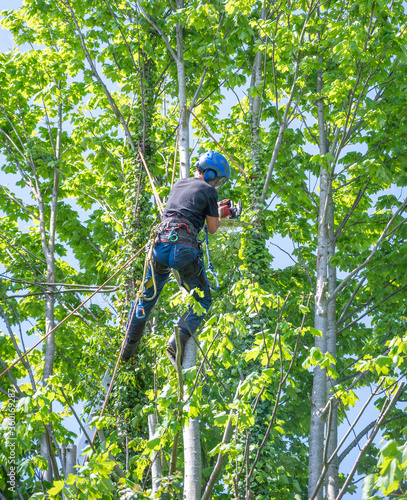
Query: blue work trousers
[[175, 256]]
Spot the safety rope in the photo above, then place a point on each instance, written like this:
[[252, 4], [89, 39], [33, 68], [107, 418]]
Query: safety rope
[[156, 196], [221, 147], [211, 269], [159, 204], [129, 261], [139, 295], [175, 160], [140, 313], [109, 390]]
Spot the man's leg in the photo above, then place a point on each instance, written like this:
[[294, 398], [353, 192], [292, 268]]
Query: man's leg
[[191, 320], [136, 325], [193, 276]]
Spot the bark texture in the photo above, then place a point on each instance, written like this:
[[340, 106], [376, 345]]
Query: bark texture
[[332, 483], [182, 97], [192, 442], [156, 468], [318, 398]]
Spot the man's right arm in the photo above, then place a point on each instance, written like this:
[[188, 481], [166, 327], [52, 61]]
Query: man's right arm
[[212, 223]]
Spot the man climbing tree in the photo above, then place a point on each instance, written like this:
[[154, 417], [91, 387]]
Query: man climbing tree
[[191, 203]]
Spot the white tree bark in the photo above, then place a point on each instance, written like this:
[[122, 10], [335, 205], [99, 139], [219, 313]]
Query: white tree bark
[[182, 98], [156, 469], [70, 459], [318, 399], [332, 480], [192, 441], [48, 247]]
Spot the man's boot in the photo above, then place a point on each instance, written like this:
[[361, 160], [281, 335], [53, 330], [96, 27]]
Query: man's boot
[[132, 342], [172, 345]]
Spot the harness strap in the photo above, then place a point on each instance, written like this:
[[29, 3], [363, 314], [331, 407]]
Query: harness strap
[[178, 229], [179, 221]]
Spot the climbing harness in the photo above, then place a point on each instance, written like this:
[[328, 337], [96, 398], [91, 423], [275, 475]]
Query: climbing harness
[[178, 229]]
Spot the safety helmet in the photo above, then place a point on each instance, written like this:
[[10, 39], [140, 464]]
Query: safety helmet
[[215, 167]]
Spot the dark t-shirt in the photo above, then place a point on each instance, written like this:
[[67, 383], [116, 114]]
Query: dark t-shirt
[[194, 199]]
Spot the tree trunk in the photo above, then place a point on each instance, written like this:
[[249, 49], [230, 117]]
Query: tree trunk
[[70, 460], [182, 97], [332, 484], [318, 399], [254, 107], [156, 469], [49, 320], [49, 352], [192, 442], [48, 247]]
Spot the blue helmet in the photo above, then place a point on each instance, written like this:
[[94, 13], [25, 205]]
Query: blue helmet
[[215, 167]]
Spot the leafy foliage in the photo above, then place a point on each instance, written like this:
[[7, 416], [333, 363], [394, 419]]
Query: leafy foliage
[[88, 84]]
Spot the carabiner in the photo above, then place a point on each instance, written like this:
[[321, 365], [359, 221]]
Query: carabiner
[[140, 312], [173, 237]]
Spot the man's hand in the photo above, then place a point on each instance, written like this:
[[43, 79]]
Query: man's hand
[[223, 208], [224, 212], [224, 202]]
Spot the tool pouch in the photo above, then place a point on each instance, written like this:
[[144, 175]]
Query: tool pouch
[[160, 268], [192, 271]]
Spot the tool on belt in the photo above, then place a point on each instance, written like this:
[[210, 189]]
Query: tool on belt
[[178, 229]]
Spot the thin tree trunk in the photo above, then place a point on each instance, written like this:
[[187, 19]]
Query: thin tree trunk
[[318, 399], [48, 251], [182, 98], [156, 469], [192, 442], [254, 107], [49, 352], [332, 480], [70, 459]]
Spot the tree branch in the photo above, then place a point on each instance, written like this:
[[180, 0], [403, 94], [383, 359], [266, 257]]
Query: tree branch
[[372, 253]]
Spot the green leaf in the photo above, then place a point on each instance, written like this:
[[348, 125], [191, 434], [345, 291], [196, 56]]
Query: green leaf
[[221, 418], [154, 443], [56, 488], [368, 485]]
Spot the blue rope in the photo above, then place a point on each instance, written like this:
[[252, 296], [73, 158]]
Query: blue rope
[[211, 269]]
